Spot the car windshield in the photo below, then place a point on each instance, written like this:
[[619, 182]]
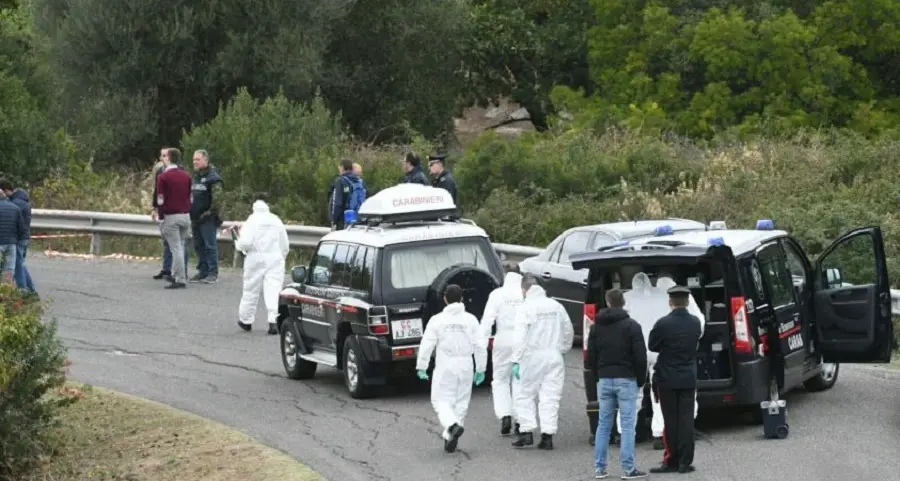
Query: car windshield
[[417, 265]]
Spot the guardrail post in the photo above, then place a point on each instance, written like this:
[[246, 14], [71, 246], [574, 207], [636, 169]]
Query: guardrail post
[[96, 240]]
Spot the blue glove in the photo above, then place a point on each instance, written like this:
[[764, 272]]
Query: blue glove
[[515, 370], [423, 374], [479, 378]]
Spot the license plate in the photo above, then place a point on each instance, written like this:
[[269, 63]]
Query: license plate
[[406, 329]]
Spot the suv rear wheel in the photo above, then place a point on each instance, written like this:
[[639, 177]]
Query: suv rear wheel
[[295, 366], [825, 379], [354, 372]]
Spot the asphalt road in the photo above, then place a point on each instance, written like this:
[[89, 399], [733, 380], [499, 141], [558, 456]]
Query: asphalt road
[[183, 348]]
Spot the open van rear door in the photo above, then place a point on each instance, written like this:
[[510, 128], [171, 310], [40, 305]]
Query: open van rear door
[[853, 299]]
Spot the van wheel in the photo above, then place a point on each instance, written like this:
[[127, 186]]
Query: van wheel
[[295, 366], [353, 367], [825, 379]]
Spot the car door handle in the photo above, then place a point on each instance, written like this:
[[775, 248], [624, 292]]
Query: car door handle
[[546, 275]]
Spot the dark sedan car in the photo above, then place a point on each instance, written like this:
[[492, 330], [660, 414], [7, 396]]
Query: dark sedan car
[[567, 285]]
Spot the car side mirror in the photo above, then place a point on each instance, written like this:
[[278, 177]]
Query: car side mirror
[[298, 274], [833, 278]]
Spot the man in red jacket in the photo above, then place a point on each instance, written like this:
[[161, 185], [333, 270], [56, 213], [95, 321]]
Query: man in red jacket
[[173, 188]]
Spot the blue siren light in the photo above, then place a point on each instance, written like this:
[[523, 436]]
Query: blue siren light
[[622, 243], [716, 241], [765, 224], [664, 230], [350, 217]]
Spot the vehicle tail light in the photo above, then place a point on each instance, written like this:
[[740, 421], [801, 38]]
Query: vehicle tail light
[[378, 321], [743, 343], [590, 313]]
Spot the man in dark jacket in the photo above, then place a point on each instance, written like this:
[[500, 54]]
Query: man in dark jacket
[[675, 337], [206, 217], [412, 165], [20, 198], [12, 232], [441, 177], [340, 192], [617, 357]]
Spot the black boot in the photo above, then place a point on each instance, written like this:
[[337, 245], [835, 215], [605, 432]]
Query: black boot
[[546, 442], [273, 328], [506, 425], [516, 430], [525, 439], [245, 327], [658, 444], [455, 432]]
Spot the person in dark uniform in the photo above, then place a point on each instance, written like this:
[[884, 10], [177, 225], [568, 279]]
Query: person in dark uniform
[[441, 177], [675, 337], [412, 165]]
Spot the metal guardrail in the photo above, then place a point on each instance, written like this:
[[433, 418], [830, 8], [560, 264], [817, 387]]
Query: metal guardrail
[[100, 223]]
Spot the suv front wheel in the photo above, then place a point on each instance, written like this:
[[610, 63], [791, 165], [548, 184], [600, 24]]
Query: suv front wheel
[[354, 373], [295, 366], [825, 379]]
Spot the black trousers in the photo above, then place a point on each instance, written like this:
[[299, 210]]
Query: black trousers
[[678, 435]]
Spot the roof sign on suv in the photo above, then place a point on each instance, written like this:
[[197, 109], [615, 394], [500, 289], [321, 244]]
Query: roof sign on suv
[[408, 203], [717, 225], [664, 230], [765, 224]]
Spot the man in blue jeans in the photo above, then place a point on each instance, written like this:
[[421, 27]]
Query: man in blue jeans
[[12, 232], [206, 217], [617, 355], [20, 198]]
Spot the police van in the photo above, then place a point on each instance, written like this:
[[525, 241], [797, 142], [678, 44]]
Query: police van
[[775, 319], [364, 300]]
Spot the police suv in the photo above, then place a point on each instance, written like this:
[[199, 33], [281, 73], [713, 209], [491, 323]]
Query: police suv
[[775, 320], [363, 302]]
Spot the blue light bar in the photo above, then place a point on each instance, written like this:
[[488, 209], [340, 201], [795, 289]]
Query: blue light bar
[[765, 224], [350, 217], [622, 243], [716, 241], [663, 230]]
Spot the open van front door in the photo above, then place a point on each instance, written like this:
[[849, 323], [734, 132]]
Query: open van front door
[[853, 299]]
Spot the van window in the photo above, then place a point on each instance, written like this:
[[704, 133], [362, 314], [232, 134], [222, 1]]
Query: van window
[[340, 265], [775, 273], [417, 265], [361, 271]]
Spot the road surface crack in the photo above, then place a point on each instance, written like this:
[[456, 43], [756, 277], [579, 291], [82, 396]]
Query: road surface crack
[[86, 294]]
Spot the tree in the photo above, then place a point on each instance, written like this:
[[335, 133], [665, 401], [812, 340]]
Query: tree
[[135, 74], [703, 72], [521, 49], [391, 67]]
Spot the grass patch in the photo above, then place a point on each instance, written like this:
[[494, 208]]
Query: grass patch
[[113, 436]]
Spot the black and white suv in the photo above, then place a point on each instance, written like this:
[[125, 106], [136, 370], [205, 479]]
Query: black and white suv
[[774, 318], [363, 302]]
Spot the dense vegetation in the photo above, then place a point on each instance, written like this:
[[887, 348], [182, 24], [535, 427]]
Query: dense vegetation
[[32, 363], [693, 108]]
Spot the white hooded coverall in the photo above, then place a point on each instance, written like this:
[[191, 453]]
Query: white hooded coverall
[[543, 334], [456, 335], [264, 241], [639, 307], [663, 284], [501, 309]]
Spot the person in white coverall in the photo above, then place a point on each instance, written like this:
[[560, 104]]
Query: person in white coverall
[[663, 284], [637, 301], [456, 335], [501, 310], [264, 241], [543, 335]]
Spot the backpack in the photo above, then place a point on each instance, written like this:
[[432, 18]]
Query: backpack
[[357, 193]]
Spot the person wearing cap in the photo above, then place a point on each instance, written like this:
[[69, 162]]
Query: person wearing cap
[[441, 177], [675, 337], [412, 166]]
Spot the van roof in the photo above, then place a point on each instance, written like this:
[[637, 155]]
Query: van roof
[[401, 233], [740, 241]]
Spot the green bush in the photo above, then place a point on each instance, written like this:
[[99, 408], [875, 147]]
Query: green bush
[[32, 364], [289, 150]]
